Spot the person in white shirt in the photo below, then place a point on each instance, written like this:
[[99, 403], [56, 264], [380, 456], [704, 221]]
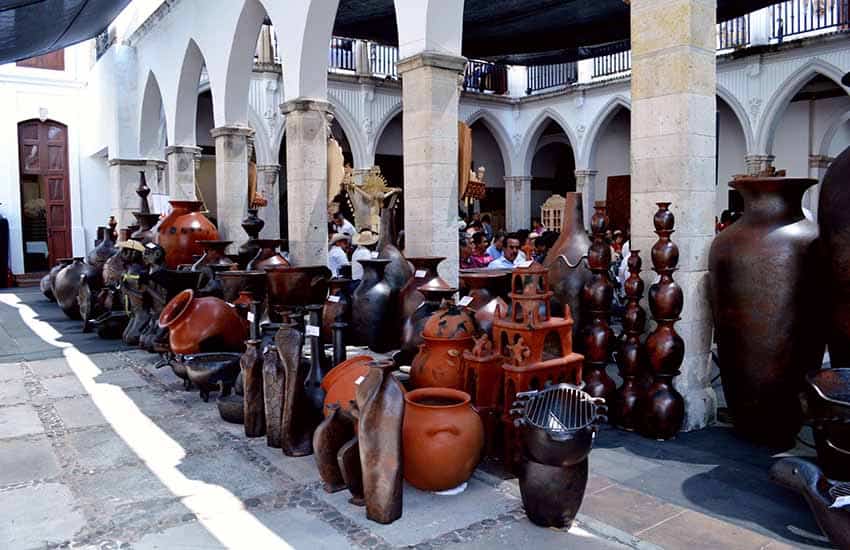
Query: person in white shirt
[[337, 256], [510, 254], [341, 225], [365, 241]]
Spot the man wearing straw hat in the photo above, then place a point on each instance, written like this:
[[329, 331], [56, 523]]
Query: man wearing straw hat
[[337, 256], [365, 241]]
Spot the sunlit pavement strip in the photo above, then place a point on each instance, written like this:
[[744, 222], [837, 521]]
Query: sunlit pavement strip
[[156, 449]]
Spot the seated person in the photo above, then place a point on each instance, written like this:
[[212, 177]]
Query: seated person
[[498, 244], [510, 256], [479, 256], [466, 251], [338, 253]]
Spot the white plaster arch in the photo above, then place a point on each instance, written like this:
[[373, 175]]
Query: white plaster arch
[[785, 92], [499, 134], [233, 107], [186, 111], [151, 123], [826, 142], [388, 117], [353, 132], [529, 145], [740, 113], [587, 158], [429, 25]]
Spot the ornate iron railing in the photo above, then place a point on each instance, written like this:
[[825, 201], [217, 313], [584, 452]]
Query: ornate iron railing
[[794, 17], [543, 77], [734, 33], [342, 54], [383, 59], [483, 76], [611, 64]]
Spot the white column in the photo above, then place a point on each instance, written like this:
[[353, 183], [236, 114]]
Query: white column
[[586, 185], [673, 159], [306, 179], [267, 184], [430, 94], [517, 202], [231, 179], [758, 164], [181, 171]]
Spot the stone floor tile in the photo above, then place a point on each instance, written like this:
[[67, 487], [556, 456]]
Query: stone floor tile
[[45, 368], [596, 483], [79, 413], [230, 470], [191, 435], [63, 386], [36, 516], [100, 448], [119, 489], [299, 529], [618, 465], [524, 534], [627, 510], [19, 420], [696, 531], [27, 460], [125, 378], [152, 404], [13, 392], [189, 536], [299, 468], [11, 371]]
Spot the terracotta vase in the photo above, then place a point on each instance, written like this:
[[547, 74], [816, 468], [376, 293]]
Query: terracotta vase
[[443, 438], [552, 495], [834, 222], [66, 288], [489, 292], [380, 400], [410, 297], [434, 292], [767, 304], [252, 376], [340, 384], [447, 334], [202, 324], [215, 254], [567, 282], [180, 231], [337, 307], [374, 323], [274, 380], [266, 255], [235, 282], [335, 431], [297, 286]]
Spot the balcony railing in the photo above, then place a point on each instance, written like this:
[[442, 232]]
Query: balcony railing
[[383, 59], [342, 54], [483, 76], [734, 33], [794, 17], [543, 77], [612, 64]]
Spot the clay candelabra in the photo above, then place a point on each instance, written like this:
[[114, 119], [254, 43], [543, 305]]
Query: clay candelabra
[[632, 356]]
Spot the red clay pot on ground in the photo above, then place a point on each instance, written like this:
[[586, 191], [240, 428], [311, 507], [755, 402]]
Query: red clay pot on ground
[[202, 324]]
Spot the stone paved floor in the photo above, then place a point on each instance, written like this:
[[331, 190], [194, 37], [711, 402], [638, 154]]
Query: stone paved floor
[[98, 449]]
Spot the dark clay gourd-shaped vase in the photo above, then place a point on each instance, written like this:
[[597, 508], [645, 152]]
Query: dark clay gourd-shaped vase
[[67, 287], [380, 400], [373, 322], [434, 292], [567, 281], [631, 359], [765, 298], [337, 307]]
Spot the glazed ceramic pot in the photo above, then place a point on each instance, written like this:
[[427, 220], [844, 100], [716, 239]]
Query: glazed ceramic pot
[[340, 384], [214, 254], [266, 255], [410, 297], [443, 438], [434, 291], [202, 324], [552, 495], [447, 334], [297, 286], [337, 307], [488, 289], [66, 288], [180, 231], [768, 335], [568, 282], [373, 315]]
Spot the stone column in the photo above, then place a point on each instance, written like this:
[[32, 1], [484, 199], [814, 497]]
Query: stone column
[[307, 180], [123, 181], [267, 184], [586, 185], [231, 180], [673, 160], [818, 165], [430, 93], [517, 202], [181, 171], [757, 164]]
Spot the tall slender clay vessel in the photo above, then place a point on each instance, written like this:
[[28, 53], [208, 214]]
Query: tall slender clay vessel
[[180, 231], [297, 419], [335, 431], [834, 222], [252, 375], [372, 310], [274, 378], [568, 282], [625, 409], [767, 303], [664, 410], [596, 297], [380, 399]]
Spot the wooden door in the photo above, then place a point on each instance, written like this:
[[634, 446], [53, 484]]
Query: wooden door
[[618, 199], [44, 159]]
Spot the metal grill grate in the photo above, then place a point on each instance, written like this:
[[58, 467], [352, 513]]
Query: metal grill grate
[[839, 490], [560, 408]]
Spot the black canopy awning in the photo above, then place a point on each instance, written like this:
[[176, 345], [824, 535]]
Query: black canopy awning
[[34, 27], [523, 31]]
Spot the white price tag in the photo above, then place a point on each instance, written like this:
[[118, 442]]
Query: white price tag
[[375, 254], [250, 317], [420, 274], [359, 380], [525, 265], [311, 330], [333, 299], [465, 301]]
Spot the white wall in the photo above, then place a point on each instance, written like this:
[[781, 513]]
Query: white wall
[[486, 153], [613, 152], [731, 153], [390, 141], [841, 140], [791, 146]]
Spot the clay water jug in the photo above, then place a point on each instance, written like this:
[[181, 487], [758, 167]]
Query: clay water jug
[[181, 230]]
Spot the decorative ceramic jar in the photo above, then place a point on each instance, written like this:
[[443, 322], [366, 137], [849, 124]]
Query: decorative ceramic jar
[[202, 324], [443, 438], [374, 323], [434, 292], [180, 231], [297, 286], [410, 298], [447, 334]]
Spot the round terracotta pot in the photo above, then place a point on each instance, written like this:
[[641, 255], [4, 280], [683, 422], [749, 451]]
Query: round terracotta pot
[[443, 438], [202, 324], [66, 288], [765, 293], [340, 382], [180, 231]]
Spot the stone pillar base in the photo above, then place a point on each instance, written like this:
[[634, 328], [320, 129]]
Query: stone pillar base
[[757, 164], [181, 171], [231, 180], [517, 202]]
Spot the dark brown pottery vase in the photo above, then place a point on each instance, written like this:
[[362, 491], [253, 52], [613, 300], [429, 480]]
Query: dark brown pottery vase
[[335, 431], [568, 279], [631, 359], [410, 298], [266, 255], [766, 299], [51, 277], [180, 231], [66, 288], [252, 376], [399, 270], [274, 380], [489, 290], [298, 421], [447, 334], [826, 405], [434, 292], [373, 319], [552, 495], [235, 282], [348, 458], [297, 286], [337, 307], [443, 438], [380, 400], [252, 224], [202, 324]]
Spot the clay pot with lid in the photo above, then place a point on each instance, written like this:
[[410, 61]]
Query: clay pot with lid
[[447, 334], [443, 438], [434, 292], [202, 324], [181, 230], [410, 297], [66, 288], [489, 290]]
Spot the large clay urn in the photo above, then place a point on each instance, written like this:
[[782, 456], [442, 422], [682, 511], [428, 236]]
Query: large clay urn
[[567, 282], [67, 287], [202, 324], [443, 438], [765, 294], [447, 334], [488, 289], [424, 270], [373, 318], [181, 230]]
